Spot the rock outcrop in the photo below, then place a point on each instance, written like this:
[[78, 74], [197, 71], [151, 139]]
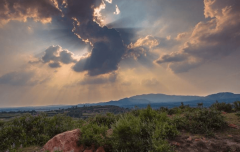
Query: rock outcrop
[[67, 142]]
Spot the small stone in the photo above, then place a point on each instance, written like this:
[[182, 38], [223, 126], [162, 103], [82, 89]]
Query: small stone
[[177, 144], [233, 126], [189, 138]]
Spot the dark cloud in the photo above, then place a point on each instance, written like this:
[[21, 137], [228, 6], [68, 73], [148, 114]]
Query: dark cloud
[[104, 79], [174, 57], [107, 44], [54, 65], [39, 10], [55, 55], [51, 54], [66, 57], [209, 40]]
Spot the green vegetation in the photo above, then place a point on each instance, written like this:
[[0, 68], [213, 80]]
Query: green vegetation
[[238, 114], [222, 106], [203, 121], [139, 130], [136, 130], [29, 130], [236, 105]]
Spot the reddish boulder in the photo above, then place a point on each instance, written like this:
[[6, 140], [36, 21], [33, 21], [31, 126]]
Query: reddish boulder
[[65, 142]]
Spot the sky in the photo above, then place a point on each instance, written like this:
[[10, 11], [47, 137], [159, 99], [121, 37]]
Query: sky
[[69, 52]]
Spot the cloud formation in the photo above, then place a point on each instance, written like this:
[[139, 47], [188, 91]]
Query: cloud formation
[[103, 79], [55, 54], [209, 40], [107, 46], [38, 10]]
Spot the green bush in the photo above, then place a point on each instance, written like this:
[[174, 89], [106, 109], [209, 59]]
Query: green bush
[[179, 121], [222, 107], [145, 132], [30, 130], [236, 105], [137, 131], [238, 114], [204, 121], [175, 110], [106, 120], [93, 134]]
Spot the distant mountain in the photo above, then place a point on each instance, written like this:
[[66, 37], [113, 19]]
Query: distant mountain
[[224, 95], [155, 100], [158, 100]]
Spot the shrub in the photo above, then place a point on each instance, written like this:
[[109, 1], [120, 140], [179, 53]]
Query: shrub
[[145, 132], [58, 124], [222, 107], [32, 130], [236, 105], [139, 130], [238, 114], [93, 134], [106, 120], [204, 121], [179, 121], [175, 110]]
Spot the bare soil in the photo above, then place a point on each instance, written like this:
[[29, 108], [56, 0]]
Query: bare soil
[[227, 140]]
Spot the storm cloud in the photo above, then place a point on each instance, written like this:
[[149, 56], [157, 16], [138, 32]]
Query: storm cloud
[[107, 45]]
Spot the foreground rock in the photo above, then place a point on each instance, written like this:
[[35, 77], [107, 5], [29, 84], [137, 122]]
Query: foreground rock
[[67, 142]]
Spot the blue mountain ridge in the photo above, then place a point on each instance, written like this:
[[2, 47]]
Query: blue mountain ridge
[[141, 101]]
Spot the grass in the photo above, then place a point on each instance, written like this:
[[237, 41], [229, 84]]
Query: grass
[[230, 118], [30, 149]]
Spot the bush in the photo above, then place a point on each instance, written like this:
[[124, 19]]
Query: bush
[[145, 132], [236, 105], [32, 130], [106, 120], [222, 107], [204, 121], [179, 121], [139, 130], [93, 134], [238, 114], [175, 110]]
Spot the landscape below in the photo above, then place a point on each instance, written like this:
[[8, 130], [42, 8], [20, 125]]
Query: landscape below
[[183, 123]]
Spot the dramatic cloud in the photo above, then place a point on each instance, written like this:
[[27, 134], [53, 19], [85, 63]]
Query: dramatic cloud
[[21, 10], [55, 55], [209, 40], [107, 44]]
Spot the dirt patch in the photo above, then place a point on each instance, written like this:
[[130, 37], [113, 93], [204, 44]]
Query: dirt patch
[[195, 143]]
